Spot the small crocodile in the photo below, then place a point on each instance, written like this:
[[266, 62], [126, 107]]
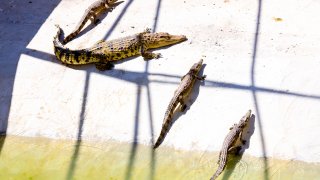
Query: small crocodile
[[232, 143], [104, 52], [92, 12], [179, 98]]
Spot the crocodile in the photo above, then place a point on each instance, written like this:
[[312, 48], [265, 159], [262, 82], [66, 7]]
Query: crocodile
[[103, 53], [92, 12], [179, 98], [232, 143]]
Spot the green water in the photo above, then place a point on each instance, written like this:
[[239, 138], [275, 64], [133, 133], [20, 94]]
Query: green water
[[40, 158]]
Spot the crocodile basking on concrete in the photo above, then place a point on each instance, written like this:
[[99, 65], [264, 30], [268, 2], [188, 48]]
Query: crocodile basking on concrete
[[232, 143], [92, 12], [180, 96], [103, 53]]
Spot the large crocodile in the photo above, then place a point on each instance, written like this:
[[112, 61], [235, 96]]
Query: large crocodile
[[104, 52], [179, 98], [232, 143], [92, 12]]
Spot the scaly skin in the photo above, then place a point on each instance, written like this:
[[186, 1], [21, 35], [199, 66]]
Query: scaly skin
[[92, 12], [179, 98], [104, 52], [230, 143]]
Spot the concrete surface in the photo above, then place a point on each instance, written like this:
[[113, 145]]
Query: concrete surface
[[259, 55]]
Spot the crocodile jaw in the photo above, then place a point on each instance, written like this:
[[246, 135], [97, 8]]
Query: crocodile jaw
[[158, 40]]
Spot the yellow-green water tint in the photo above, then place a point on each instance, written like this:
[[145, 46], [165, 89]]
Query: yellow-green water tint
[[40, 158]]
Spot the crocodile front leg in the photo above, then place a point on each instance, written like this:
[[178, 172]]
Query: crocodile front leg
[[147, 55], [183, 105], [94, 17]]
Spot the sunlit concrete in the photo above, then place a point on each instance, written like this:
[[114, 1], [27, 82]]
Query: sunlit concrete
[[271, 67]]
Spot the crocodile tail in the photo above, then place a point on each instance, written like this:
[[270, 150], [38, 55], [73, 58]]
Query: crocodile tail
[[56, 39], [80, 25], [74, 33], [167, 121], [163, 133], [222, 163], [216, 174]]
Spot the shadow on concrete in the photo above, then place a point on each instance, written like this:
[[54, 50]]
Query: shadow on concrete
[[134, 145], [236, 158], [250, 132], [114, 25], [219, 84], [75, 155], [152, 152], [82, 117], [19, 22], [2, 138], [254, 94]]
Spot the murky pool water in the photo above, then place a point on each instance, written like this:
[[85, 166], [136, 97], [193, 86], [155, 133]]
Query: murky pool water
[[40, 158]]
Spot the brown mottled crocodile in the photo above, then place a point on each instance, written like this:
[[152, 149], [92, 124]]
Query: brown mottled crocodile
[[104, 52], [232, 143], [92, 12], [179, 98]]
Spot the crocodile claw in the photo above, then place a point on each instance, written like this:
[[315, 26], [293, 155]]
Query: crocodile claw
[[157, 55]]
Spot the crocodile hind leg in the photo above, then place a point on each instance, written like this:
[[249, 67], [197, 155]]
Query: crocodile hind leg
[[235, 150], [200, 78], [183, 105], [104, 66]]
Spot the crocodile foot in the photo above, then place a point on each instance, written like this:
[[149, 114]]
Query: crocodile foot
[[149, 55], [96, 21], [183, 107]]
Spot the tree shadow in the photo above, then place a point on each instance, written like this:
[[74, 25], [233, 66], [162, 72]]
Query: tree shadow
[[152, 153], [254, 93], [20, 28], [75, 155], [114, 25], [134, 145], [146, 72]]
